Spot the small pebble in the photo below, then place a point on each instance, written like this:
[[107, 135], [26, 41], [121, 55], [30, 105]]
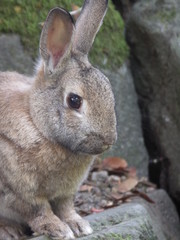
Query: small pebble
[[123, 178], [103, 203], [96, 191], [113, 178], [99, 176]]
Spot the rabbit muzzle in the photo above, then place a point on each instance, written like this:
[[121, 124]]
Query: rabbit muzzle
[[95, 143]]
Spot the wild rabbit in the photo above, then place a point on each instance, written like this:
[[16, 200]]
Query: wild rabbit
[[52, 126]]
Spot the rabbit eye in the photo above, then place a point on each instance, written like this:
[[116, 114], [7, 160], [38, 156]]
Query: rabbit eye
[[74, 101]]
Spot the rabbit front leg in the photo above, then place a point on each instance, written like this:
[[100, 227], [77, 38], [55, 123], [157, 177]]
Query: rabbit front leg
[[45, 222], [64, 209]]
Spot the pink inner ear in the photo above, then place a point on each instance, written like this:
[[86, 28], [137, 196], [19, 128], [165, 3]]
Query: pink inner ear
[[56, 56], [59, 37]]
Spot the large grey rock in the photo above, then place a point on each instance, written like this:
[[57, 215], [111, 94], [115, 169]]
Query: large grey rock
[[153, 34], [138, 220], [13, 57], [130, 143]]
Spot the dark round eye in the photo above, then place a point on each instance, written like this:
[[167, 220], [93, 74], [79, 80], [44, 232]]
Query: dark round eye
[[74, 101]]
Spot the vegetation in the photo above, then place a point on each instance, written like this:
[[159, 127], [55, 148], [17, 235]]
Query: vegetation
[[112, 236], [24, 17]]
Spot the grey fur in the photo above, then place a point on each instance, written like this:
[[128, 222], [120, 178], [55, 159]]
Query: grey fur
[[46, 147]]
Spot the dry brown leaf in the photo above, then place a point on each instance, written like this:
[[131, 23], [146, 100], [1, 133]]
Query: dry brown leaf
[[116, 196], [127, 185], [131, 172], [112, 163], [85, 188], [95, 210]]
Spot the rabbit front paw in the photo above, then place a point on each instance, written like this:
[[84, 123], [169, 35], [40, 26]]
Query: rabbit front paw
[[79, 226], [52, 227]]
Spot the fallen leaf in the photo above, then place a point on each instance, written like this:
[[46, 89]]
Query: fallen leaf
[[116, 196], [95, 210], [131, 172], [128, 200], [109, 204], [85, 188], [113, 163], [127, 185]]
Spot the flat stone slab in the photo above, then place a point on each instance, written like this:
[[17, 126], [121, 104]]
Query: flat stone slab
[[138, 220]]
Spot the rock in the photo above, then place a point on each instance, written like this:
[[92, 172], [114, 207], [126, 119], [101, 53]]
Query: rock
[[13, 57], [130, 143], [152, 32], [113, 178], [138, 220], [100, 176]]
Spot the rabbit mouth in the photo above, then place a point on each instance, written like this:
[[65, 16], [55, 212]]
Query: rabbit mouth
[[93, 144]]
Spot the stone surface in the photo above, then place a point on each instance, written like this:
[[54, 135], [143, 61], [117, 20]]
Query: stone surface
[[138, 220], [153, 34], [130, 143], [99, 176], [13, 57]]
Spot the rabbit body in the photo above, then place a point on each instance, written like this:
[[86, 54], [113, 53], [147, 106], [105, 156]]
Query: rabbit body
[[31, 163], [51, 128]]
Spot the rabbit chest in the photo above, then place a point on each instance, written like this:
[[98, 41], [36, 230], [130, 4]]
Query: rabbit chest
[[43, 172], [60, 172]]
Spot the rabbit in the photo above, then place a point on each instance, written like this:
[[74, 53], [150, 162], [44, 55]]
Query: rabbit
[[52, 126]]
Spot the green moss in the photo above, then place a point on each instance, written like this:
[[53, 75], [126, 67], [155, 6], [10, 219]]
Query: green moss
[[116, 236], [110, 48], [166, 16], [147, 232], [163, 15], [23, 17], [112, 236]]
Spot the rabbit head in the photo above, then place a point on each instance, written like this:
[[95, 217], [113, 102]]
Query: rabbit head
[[72, 102]]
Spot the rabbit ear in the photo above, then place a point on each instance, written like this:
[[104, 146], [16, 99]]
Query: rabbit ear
[[56, 37], [88, 24]]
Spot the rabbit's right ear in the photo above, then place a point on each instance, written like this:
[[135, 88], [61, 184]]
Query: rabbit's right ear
[[56, 37]]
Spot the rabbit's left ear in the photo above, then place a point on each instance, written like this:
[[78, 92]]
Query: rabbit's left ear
[[56, 37], [88, 24]]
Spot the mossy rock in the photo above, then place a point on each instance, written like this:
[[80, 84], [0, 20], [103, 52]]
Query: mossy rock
[[23, 17]]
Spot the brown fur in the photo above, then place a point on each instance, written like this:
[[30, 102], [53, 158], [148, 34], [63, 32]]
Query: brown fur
[[46, 148]]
